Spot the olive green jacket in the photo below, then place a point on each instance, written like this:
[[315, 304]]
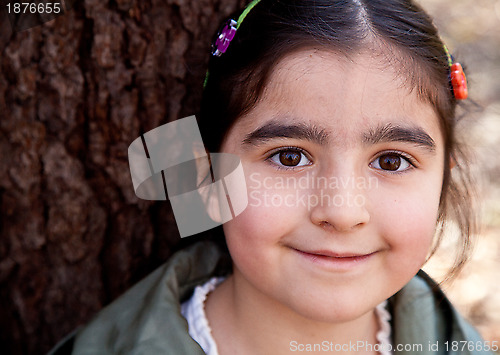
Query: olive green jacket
[[147, 318]]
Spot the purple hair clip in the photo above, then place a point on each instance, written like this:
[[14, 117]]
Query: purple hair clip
[[224, 38]]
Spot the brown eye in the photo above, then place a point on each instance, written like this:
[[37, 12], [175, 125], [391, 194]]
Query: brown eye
[[393, 162], [390, 162], [290, 158]]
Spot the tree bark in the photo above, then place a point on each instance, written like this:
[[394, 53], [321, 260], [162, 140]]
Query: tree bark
[[74, 93]]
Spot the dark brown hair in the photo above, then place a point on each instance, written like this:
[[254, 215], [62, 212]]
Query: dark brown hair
[[398, 29]]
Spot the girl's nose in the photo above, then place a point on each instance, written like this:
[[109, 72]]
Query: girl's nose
[[341, 209]]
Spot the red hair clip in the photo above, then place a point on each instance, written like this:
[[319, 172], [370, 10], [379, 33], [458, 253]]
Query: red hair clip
[[457, 77], [459, 82]]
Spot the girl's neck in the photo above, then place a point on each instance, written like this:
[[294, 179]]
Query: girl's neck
[[245, 321]]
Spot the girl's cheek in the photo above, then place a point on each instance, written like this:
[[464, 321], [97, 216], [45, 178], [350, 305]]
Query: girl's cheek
[[409, 222], [247, 236], [264, 213], [272, 211]]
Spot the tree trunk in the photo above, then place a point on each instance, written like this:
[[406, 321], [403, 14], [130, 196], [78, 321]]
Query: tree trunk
[[74, 93]]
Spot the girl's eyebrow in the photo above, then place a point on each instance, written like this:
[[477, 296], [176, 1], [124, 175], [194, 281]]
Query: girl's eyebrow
[[313, 133], [391, 133], [273, 130]]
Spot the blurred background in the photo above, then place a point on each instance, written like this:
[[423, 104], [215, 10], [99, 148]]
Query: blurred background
[[78, 89], [471, 31]]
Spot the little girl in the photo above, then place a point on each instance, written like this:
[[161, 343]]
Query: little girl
[[343, 116]]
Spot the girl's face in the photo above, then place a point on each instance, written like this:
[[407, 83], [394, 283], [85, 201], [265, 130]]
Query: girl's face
[[344, 169]]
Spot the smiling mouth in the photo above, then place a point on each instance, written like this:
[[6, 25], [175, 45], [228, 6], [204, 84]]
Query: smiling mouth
[[331, 254], [334, 260]]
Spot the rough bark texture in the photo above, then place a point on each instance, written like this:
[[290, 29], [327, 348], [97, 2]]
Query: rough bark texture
[[74, 93]]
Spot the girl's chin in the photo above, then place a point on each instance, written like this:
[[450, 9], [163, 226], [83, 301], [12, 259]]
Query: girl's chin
[[332, 312]]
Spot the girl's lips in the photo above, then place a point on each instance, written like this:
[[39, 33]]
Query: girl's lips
[[333, 254], [333, 260]]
